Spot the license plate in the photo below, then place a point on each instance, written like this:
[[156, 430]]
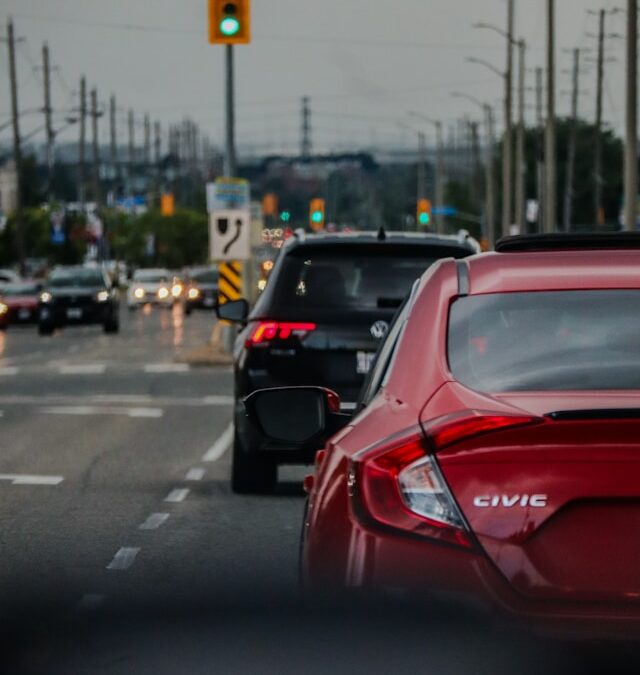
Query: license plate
[[209, 302], [74, 313], [24, 314], [364, 362]]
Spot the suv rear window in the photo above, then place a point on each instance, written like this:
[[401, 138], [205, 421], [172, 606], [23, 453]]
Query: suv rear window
[[546, 341], [357, 279]]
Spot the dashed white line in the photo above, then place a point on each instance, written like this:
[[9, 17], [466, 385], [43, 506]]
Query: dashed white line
[[83, 369], [123, 559], [86, 410], [217, 450], [149, 413], [177, 495], [218, 400], [154, 521], [167, 368], [9, 371], [26, 479], [195, 474]]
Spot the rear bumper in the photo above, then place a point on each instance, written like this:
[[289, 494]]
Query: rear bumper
[[18, 315]]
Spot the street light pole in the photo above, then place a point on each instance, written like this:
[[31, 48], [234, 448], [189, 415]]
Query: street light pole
[[631, 146], [550, 136], [507, 150], [230, 167], [521, 165]]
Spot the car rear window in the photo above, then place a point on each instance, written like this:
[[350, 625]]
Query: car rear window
[[547, 341], [206, 277], [335, 279]]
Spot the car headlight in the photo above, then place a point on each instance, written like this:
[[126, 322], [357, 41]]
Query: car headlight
[[163, 293], [193, 293], [176, 291], [262, 284], [139, 293], [102, 296], [46, 297], [3, 308]]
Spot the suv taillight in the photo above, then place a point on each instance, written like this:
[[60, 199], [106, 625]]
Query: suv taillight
[[265, 332], [401, 487]]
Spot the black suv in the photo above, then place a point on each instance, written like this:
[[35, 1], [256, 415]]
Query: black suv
[[78, 295], [328, 305]]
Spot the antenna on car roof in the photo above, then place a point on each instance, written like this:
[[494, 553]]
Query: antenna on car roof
[[382, 235]]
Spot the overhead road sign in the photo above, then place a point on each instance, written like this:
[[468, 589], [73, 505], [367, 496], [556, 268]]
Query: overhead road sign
[[228, 193]]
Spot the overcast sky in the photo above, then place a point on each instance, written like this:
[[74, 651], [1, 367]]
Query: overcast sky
[[364, 63]]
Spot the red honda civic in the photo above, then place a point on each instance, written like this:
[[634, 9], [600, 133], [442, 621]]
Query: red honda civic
[[495, 453]]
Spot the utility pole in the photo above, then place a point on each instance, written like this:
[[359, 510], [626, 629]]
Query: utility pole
[[490, 208], [422, 158], [540, 146], [147, 140], [439, 178], [113, 139], [521, 163], [305, 146], [230, 166], [17, 150], [96, 147], [157, 144], [46, 70], [132, 152], [550, 136], [82, 196], [631, 145], [571, 160], [507, 150], [476, 162], [597, 173]]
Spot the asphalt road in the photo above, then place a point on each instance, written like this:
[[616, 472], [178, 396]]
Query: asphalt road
[[123, 551]]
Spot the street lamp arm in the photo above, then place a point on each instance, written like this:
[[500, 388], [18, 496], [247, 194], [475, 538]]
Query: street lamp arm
[[486, 64]]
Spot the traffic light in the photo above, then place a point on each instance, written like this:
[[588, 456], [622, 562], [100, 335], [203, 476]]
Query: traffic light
[[270, 204], [229, 22], [317, 214], [285, 216], [424, 212]]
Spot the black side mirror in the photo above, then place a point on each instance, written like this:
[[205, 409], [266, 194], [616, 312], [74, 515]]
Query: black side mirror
[[295, 416], [236, 311]]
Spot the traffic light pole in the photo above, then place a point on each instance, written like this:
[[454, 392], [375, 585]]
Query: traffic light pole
[[230, 167], [631, 145]]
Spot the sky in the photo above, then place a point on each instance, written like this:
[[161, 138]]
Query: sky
[[365, 64]]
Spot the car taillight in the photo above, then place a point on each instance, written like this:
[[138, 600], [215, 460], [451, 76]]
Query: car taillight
[[449, 429], [401, 487], [264, 332]]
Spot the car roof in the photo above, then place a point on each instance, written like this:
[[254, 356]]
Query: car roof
[[462, 240], [550, 270]]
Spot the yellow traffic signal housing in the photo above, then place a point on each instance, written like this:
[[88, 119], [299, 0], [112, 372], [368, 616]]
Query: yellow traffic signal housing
[[229, 22], [317, 214], [167, 205], [270, 205], [425, 213]]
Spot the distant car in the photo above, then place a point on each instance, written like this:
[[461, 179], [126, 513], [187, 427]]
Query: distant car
[[201, 291], [326, 309], [8, 277], [150, 287], [78, 295], [4, 315], [21, 299]]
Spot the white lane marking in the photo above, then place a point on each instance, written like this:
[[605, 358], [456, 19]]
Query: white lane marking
[[195, 474], [177, 495], [149, 413], [87, 410], [167, 368], [154, 521], [218, 400], [9, 371], [123, 559], [83, 369], [217, 450], [91, 601], [26, 479]]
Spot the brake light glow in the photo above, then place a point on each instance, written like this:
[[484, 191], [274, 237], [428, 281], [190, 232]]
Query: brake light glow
[[401, 487], [450, 429], [265, 332]]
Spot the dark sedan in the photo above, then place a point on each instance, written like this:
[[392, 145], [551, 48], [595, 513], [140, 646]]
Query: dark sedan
[[202, 289], [78, 295]]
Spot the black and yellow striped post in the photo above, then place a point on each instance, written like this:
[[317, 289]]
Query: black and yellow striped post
[[229, 281]]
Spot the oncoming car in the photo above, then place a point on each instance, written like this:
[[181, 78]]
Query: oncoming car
[[201, 291], [493, 456], [21, 298], [151, 287]]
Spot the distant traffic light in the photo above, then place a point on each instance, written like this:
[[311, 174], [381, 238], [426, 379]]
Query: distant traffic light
[[285, 216], [317, 214], [229, 22], [270, 204], [424, 214]]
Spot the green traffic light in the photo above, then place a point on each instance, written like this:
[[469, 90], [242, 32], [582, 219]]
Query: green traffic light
[[285, 216], [424, 218], [317, 217], [229, 26]]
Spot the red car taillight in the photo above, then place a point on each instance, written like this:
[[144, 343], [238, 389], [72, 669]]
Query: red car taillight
[[450, 429], [264, 332], [401, 487]]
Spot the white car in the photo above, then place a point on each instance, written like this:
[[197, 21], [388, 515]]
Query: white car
[[150, 286]]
